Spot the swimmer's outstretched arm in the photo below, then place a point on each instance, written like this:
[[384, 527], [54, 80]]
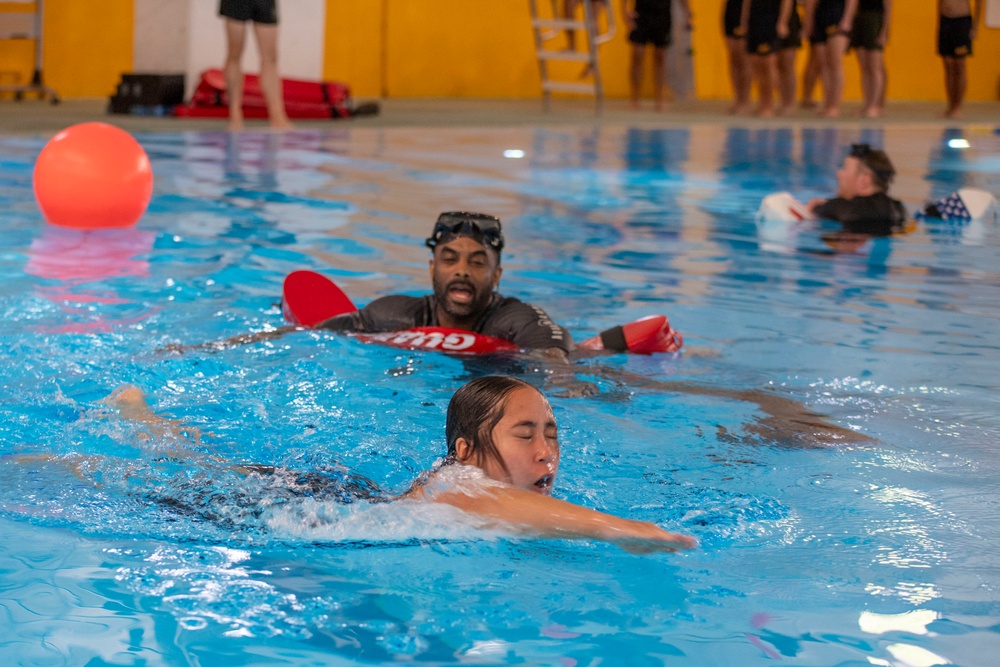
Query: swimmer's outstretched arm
[[545, 516], [234, 341]]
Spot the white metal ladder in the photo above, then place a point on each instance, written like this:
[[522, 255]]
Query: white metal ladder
[[547, 27]]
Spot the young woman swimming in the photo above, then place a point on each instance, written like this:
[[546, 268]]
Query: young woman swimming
[[501, 465]]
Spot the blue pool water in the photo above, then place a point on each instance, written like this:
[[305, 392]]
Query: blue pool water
[[128, 548]]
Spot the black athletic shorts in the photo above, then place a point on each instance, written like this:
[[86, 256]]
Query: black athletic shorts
[[866, 30], [826, 22], [955, 37], [731, 19], [794, 39], [762, 31], [652, 29], [258, 11]]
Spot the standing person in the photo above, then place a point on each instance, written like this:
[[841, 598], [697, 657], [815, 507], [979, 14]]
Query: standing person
[[765, 20], [958, 20], [597, 9], [830, 23], [264, 15], [740, 73], [789, 42], [810, 75], [650, 23], [869, 37]]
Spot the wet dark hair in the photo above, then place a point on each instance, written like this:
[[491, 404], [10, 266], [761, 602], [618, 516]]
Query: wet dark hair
[[877, 161], [475, 410]]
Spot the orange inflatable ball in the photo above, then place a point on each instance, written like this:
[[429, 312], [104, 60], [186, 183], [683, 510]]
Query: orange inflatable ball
[[93, 176]]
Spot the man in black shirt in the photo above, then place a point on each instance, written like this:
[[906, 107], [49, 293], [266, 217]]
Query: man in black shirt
[[465, 271], [862, 204]]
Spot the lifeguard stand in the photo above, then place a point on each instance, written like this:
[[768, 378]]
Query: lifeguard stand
[[26, 23], [549, 25]]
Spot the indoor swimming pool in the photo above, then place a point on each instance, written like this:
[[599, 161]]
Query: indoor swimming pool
[[873, 544]]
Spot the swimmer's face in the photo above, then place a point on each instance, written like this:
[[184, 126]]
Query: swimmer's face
[[527, 439], [852, 178], [464, 274]]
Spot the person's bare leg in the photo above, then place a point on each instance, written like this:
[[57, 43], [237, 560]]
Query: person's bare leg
[[864, 70], [836, 48], [270, 83], [786, 80], [740, 75], [958, 83], [877, 75], [764, 70], [131, 404], [569, 12], [660, 77], [235, 39], [885, 84], [635, 73], [810, 78]]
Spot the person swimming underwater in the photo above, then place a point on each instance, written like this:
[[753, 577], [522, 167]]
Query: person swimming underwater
[[501, 465]]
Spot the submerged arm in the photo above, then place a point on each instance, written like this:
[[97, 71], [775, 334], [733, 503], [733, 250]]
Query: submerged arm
[[541, 515], [241, 339]]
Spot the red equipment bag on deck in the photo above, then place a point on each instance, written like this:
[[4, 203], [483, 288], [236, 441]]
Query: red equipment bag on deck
[[303, 99]]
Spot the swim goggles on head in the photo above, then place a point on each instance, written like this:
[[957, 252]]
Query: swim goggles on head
[[864, 154], [483, 228]]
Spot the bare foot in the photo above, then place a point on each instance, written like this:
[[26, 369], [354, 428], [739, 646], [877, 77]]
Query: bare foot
[[633, 105], [130, 401], [784, 110], [282, 124], [764, 112], [873, 112], [954, 112], [127, 395], [832, 112], [740, 109]]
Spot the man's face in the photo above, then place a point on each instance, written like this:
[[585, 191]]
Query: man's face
[[464, 274], [852, 178]]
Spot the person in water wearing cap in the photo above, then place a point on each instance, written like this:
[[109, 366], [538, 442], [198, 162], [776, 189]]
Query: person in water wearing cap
[[465, 273], [862, 204]]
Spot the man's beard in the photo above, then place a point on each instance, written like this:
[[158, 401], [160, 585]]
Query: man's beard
[[460, 311]]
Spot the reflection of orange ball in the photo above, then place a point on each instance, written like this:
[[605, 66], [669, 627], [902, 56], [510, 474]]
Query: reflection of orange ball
[[93, 176]]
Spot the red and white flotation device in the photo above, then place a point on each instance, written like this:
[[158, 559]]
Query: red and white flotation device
[[309, 298], [783, 207]]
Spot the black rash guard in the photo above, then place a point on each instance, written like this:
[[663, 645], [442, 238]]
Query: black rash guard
[[525, 325], [877, 214]]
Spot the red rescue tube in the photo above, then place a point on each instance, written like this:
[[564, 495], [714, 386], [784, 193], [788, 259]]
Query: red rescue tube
[[644, 336], [439, 339]]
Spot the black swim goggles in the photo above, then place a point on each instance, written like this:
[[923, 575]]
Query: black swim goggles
[[864, 154], [482, 228]]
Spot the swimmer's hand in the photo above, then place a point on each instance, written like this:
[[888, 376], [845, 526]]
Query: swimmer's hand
[[815, 203], [641, 537]]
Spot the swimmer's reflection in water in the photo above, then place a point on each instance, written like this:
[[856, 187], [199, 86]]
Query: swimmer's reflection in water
[[500, 468]]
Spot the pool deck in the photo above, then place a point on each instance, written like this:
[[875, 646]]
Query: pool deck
[[37, 117]]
